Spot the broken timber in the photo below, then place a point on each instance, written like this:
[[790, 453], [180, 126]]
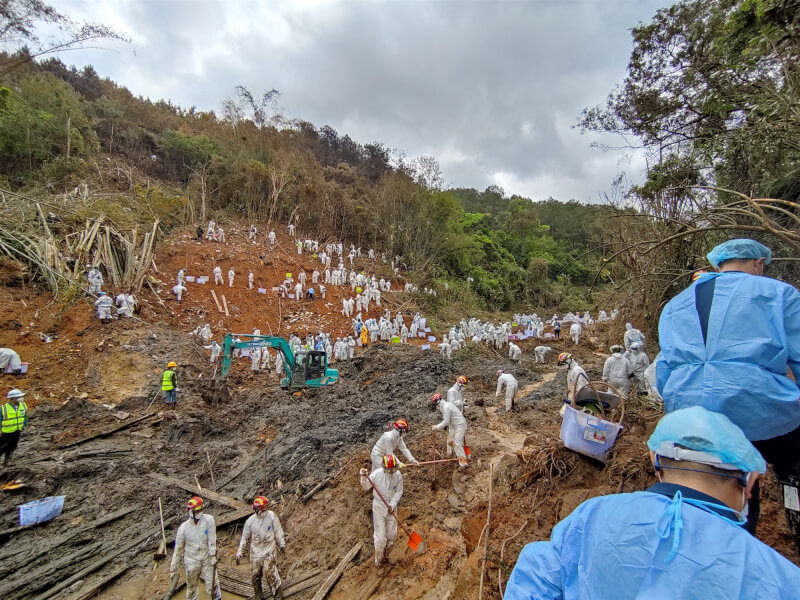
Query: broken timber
[[108, 431], [219, 307], [225, 304], [337, 572], [207, 494]]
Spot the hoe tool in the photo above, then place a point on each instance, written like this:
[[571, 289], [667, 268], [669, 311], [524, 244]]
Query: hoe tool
[[414, 539]]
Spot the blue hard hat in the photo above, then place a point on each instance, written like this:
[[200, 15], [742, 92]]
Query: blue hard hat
[[698, 435], [739, 248]]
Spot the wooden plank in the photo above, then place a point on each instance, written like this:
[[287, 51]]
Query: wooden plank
[[331, 580], [99, 564], [240, 582], [93, 589], [366, 591], [206, 494], [35, 579], [58, 543], [214, 294], [234, 516], [108, 431], [244, 463], [225, 304]]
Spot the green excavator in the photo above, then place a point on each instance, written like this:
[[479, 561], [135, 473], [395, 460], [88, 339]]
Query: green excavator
[[306, 368]]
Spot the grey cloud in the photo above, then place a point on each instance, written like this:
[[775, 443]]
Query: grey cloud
[[490, 80]]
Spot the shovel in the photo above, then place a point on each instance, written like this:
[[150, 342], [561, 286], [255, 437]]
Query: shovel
[[414, 539], [162, 548], [427, 462]]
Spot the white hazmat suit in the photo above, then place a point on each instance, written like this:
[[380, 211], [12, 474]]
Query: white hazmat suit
[[618, 371], [196, 542], [389, 443], [384, 524], [456, 424], [262, 531], [511, 385]]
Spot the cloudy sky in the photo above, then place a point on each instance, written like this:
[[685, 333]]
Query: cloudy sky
[[490, 88]]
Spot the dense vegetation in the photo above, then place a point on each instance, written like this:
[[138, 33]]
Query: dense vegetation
[[712, 97], [62, 127]]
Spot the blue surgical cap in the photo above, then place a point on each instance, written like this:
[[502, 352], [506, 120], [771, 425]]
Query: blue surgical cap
[[739, 248], [709, 433]]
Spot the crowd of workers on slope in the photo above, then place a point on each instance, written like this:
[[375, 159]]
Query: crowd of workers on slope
[[728, 345]]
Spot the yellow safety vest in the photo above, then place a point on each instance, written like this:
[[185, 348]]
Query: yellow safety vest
[[167, 381], [13, 418]]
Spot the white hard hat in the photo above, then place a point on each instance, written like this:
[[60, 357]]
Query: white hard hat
[[15, 393]]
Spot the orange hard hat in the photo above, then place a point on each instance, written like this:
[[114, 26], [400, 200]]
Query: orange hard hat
[[389, 462], [260, 503], [462, 379], [195, 503]]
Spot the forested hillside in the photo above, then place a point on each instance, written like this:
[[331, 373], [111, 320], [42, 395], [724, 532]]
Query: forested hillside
[[61, 127]]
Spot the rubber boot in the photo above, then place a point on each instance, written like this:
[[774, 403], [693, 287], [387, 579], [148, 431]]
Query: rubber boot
[[258, 594], [278, 594], [378, 557]]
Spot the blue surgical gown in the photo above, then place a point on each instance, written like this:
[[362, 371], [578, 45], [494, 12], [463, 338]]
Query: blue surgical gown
[[609, 548], [741, 369]]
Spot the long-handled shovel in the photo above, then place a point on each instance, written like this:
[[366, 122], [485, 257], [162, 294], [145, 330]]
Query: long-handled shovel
[[162, 548], [427, 462], [414, 539]]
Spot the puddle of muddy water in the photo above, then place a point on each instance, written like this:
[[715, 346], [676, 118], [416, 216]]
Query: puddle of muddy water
[[134, 589]]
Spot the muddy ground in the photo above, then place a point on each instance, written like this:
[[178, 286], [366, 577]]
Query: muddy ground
[[92, 379]]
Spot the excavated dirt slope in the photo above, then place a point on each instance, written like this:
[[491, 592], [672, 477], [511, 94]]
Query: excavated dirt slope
[[260, 439]]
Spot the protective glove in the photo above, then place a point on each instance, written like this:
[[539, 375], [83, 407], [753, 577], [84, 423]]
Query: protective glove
[[433, 428], [213, 561], [238, 558], [391, 509], [363, 472], [414, 462], [177, 389], [282, 549]]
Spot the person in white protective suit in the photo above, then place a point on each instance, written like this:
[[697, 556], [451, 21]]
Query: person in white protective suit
[[576, 376], [179, 290], [541, 353], [445, 349], [231, 275], [639, 362], [511, 385], [389, 443], [455, 395], [215, 350], [404, 334], [271, 238], [514, 351], [251, 235], [388, 481], [10, 360], [181, 277], [291, 229], [632, 335], [196, 543], [575, 332], [456, 424], [263, 531], [205, 333], [255, 359], [220, 235], [218, 276], [103, 305], [618, 371], [250, 279], [90, 278], [123, 308]]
